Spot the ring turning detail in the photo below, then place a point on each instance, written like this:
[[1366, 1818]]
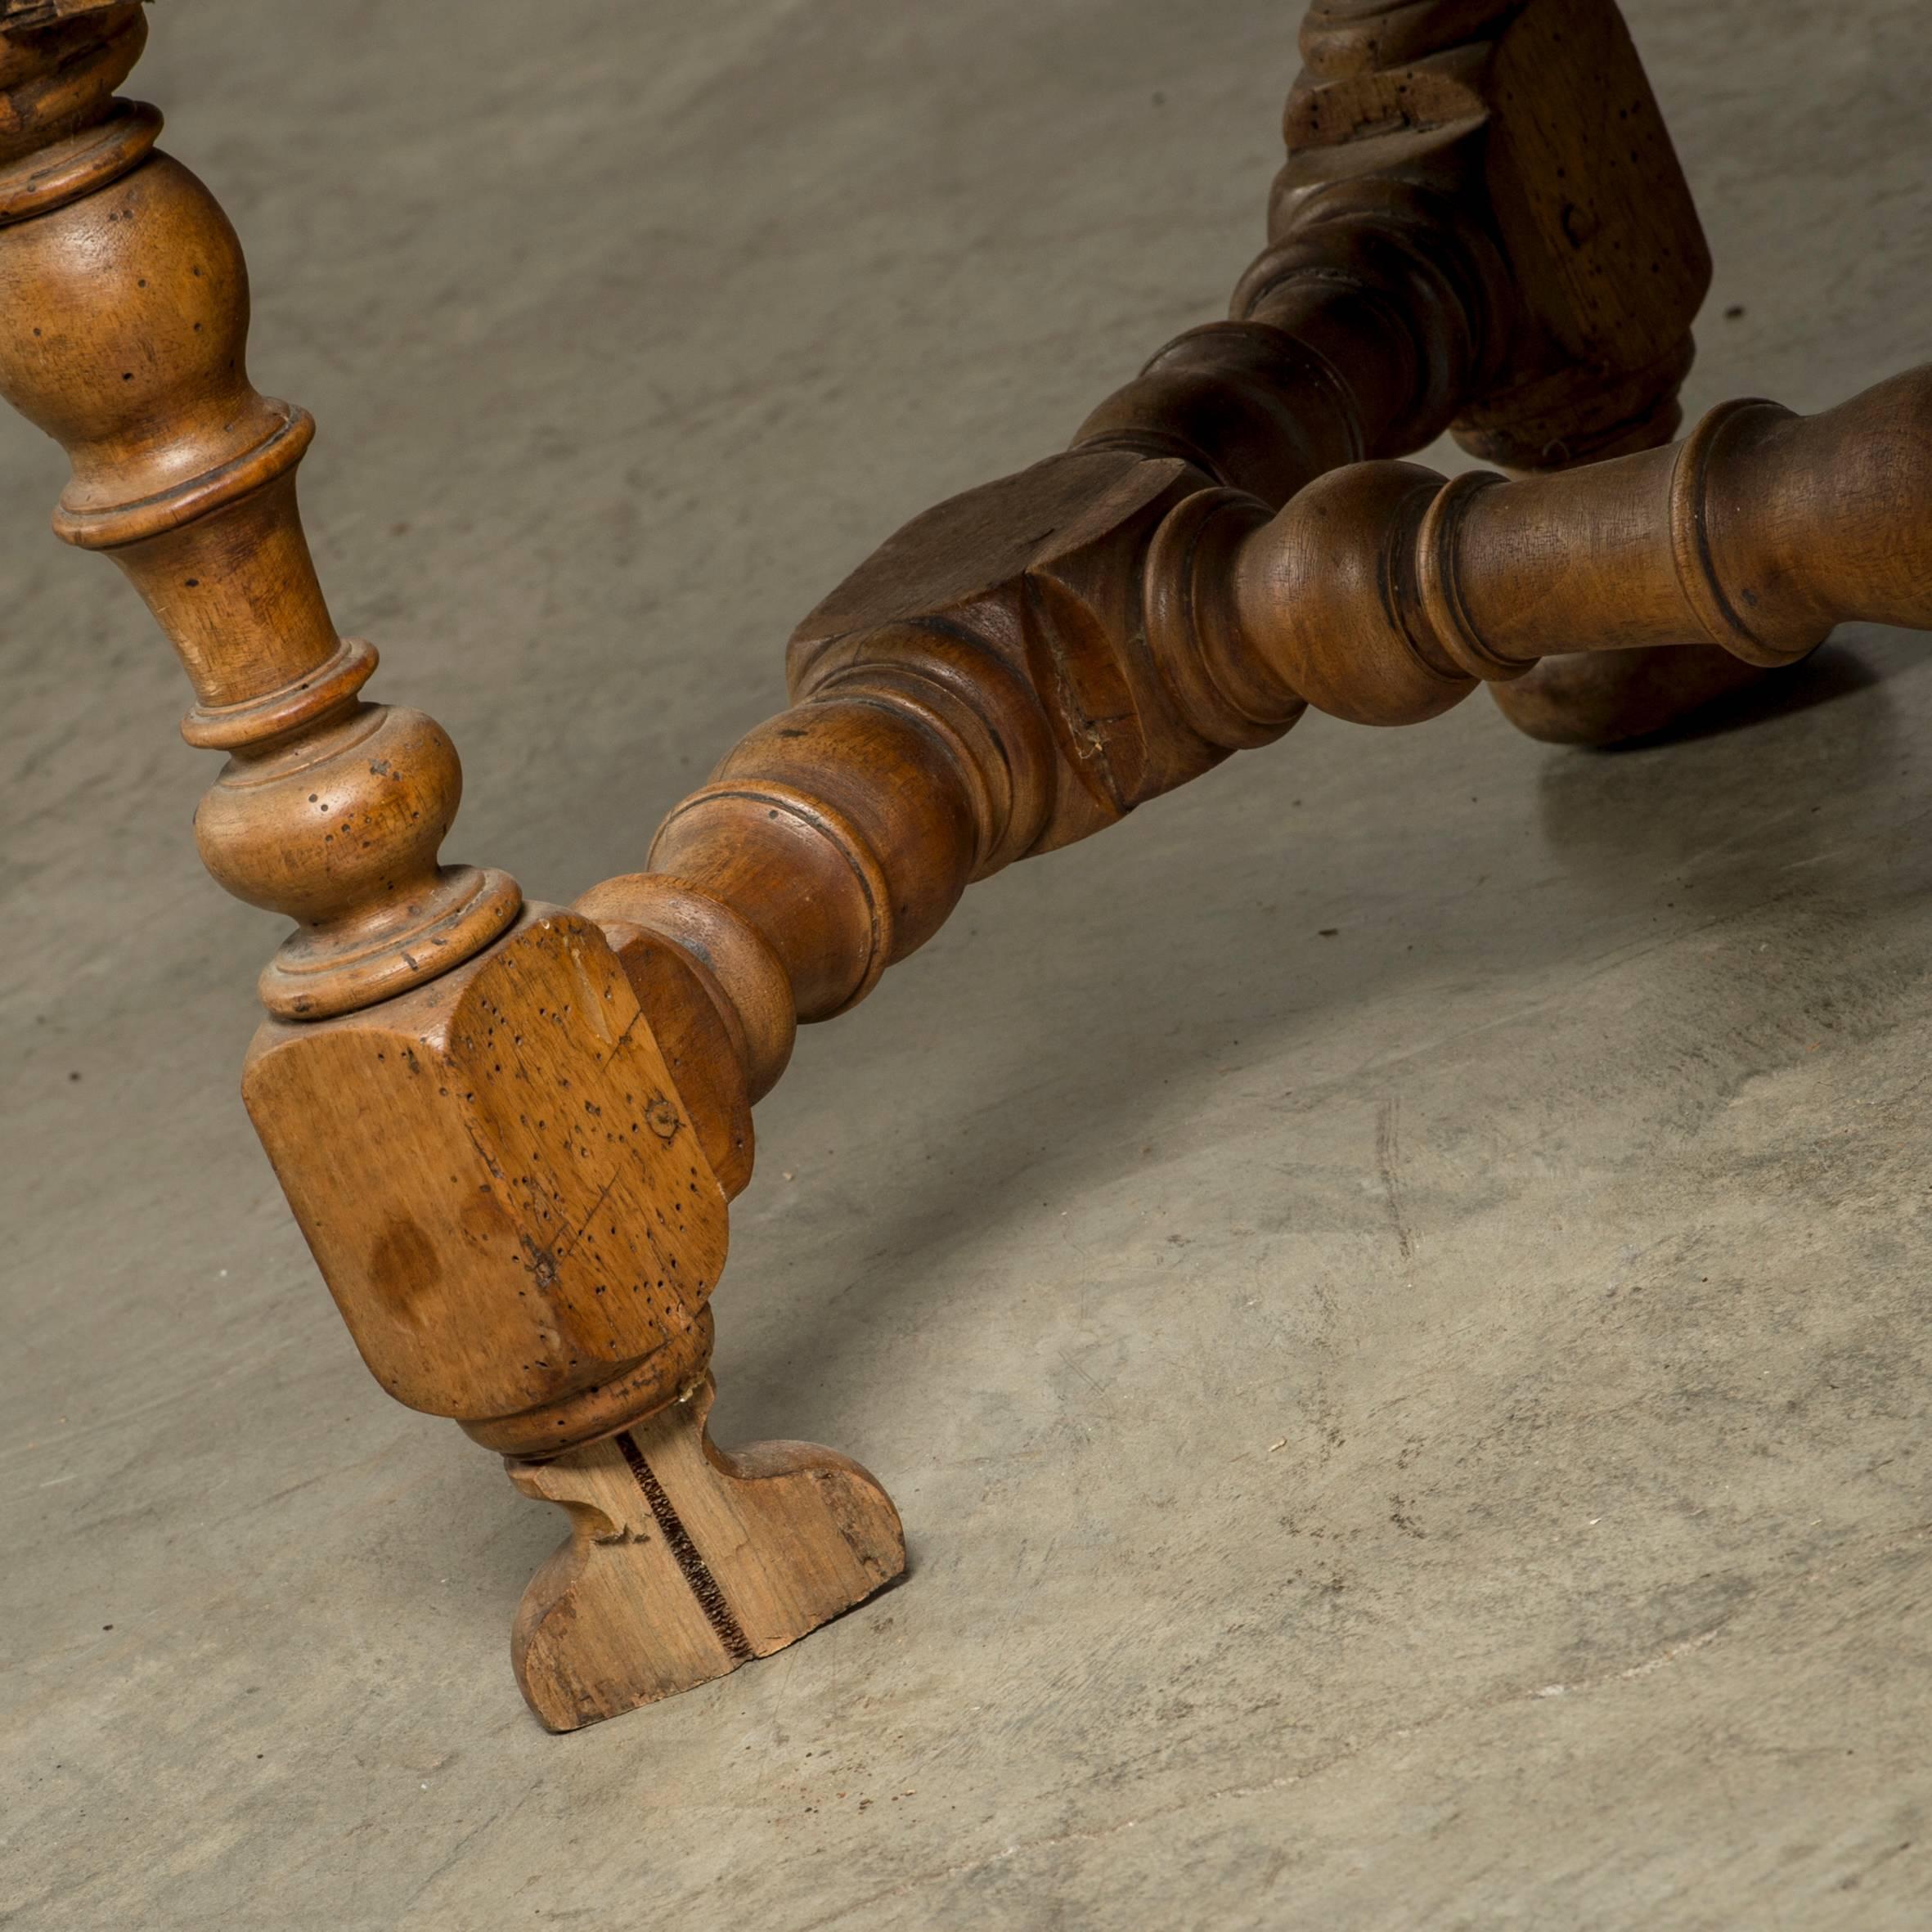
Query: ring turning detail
[[511, 1131]]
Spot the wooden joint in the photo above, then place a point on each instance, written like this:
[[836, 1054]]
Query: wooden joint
[[529, 1242], [511, 1133], [1535, 120], [754, 990]]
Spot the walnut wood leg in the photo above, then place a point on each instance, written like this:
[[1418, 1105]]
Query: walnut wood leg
[[510, 1132], [684, 1562], [1384, 593], [509, 1137], [1606, 698], [1599, 376]]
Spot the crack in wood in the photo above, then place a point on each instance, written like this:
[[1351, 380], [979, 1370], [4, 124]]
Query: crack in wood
[[703, 1586]]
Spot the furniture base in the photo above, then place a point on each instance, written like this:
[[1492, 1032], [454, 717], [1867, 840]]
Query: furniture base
[[684, 1562]]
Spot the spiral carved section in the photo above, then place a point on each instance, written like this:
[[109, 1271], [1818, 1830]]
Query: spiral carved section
[[1343, 38], [1394, 283], [972, 705], [1356, 332]]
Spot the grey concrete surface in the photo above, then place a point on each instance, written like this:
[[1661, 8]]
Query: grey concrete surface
[[1422, 1427]]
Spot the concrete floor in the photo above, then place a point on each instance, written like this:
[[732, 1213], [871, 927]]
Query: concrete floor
[[1416, 1428]]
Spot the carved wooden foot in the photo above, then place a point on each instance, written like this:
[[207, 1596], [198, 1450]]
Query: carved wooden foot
[[684, 1562]]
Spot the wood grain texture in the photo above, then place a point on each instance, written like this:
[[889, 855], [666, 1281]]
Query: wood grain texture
[[503, 1189], [1546, 103], [1424, 267], [1606, 260], [1385, 593], [684, 1562], [510, 1132], [124, 326], [20, 15]]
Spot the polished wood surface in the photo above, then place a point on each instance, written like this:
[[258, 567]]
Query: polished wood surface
[[123, 324], [510, 1132], [1383, 593]]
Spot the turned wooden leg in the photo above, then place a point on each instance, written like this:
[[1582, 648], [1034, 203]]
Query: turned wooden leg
[[684, 1562], [1384, 592], [511, 1133], [1605, 698], [1600, 699], [508, 1139]]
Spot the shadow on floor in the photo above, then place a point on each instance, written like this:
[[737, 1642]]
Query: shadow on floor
[[1697, 836]]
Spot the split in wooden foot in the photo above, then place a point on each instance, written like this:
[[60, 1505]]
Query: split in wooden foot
[[684, 1562]]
